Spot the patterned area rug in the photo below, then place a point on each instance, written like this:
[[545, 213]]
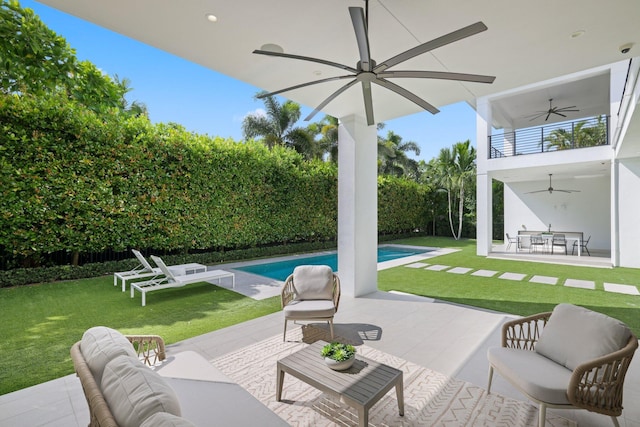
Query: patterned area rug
[[431, 398]]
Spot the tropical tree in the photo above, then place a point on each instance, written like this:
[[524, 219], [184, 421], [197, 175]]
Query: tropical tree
[[35, 60], [453, 171], [277, 126], [329, 141], [582, 134], [392, 156], [135, 108]]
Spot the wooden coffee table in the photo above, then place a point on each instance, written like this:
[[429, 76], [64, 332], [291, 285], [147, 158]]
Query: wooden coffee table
[[360, 386]]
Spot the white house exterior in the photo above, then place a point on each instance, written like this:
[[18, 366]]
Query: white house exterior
[[606, 203]]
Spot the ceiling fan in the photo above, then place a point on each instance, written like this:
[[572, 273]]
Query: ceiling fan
[[551, 189], [553, 110], [367, 71]]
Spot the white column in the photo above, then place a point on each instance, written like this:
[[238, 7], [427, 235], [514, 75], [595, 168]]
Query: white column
[[484, 190], [357, 206], [615, 213]]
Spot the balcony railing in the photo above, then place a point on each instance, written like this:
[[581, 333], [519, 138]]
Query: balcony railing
[[589, 132]]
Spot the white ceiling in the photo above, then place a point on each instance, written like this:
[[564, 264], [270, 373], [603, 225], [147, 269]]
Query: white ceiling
[[527, 42]]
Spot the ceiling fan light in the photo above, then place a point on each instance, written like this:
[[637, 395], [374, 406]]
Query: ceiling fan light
[[272, 47], [211, 17]]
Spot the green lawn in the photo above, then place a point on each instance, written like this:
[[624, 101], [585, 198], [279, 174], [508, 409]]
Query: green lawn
[[520, 298], [41, 322]]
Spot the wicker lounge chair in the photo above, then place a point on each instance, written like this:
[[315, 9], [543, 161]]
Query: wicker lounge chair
[[144, 270], [312, 292], [167, 279], [569, 358]]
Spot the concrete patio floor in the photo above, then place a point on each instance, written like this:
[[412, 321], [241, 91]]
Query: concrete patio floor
[[444, 337]]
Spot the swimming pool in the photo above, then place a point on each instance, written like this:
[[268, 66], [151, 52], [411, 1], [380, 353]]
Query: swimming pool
[[280, 270]]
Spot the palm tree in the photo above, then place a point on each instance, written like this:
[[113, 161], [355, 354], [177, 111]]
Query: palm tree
[[135, 108], [392, 156], [329, 140], [453, 171], [582, 134], [277, 127]]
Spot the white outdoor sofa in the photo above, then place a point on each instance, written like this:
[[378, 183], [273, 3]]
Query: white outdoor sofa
[[131, 381]]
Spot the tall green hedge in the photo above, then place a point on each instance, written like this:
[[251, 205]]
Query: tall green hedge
[[72, 180]]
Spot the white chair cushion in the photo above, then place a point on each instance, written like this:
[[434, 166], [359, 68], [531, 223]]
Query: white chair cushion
[[134, 392], [164, 419], [100, 344], [309, 309], [574, 335], [534, 374], [313, 282]]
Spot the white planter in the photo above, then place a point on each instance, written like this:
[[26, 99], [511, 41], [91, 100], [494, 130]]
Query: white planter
[[339, 366]]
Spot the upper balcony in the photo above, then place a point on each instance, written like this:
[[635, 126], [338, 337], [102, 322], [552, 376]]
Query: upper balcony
[[590, 132]]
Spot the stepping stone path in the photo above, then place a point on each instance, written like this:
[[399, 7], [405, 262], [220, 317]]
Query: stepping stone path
[[484, 273], [621, 289], [438, 267], [584, 284], [547, 280], [417, 265], [512, 276], [459, 270]]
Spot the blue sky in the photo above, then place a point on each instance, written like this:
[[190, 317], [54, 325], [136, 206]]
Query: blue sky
[[208, 102]]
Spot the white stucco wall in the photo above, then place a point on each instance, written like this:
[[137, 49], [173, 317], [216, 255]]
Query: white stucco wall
[[629, 212], [588, 211]]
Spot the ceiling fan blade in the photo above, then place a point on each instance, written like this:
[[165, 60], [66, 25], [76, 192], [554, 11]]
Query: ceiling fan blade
[[477, 78], [368, 102], [410, 96], [537, 116], [360, 28], [537, 191], [306, 58], [460, 34], [559, 114], [547, 118], [315, 82], [329, 99]]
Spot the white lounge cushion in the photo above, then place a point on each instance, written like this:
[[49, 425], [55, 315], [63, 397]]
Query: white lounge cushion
[[539, 377], [309, 309], [165, 419], [134, 392], [313, 282], [100, 344], [574, 335]]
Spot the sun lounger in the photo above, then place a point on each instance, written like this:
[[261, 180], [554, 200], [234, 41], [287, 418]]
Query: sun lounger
[[166, 279], [144, 270]]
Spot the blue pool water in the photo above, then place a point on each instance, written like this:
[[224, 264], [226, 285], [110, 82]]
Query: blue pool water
[[280, 270]]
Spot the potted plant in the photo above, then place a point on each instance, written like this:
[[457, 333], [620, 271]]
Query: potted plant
[[339, 356]]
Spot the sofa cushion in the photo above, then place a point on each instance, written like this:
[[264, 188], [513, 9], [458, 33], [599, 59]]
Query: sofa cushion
[[539, 377], [134, 392], [100, 344], [313, 282], [165, 419], [574, 335]]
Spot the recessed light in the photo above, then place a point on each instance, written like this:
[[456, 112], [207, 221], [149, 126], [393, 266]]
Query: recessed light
[[577, 34], [211, 17]]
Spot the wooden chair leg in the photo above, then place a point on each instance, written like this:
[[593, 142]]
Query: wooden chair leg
[[615, 421], [284, 335], [331, 327], [490, 379]]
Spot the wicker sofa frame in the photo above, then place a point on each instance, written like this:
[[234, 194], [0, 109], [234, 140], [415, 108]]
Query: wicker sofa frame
[[150, 349], [596, 385]]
